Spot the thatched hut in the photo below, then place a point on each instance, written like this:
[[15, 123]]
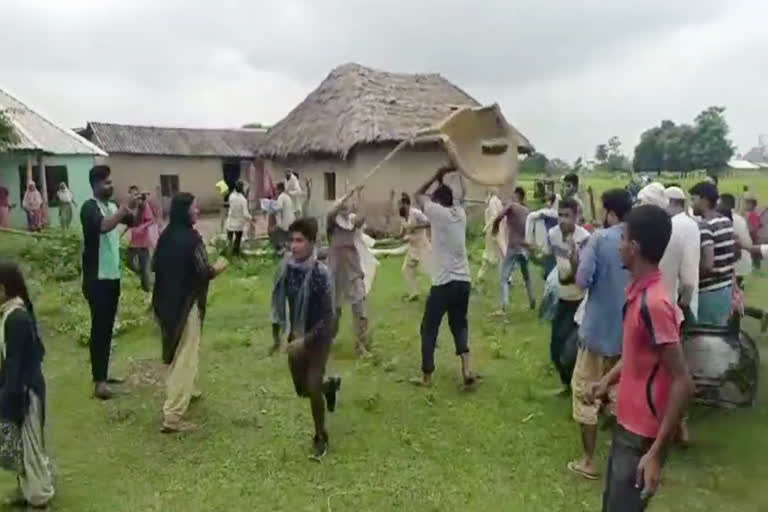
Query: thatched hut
[[351, 121]]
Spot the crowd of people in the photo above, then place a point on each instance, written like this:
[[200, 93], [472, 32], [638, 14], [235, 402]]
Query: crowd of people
[[618, 299]]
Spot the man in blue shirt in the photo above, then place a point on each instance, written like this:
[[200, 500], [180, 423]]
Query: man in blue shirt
[[602, 274]]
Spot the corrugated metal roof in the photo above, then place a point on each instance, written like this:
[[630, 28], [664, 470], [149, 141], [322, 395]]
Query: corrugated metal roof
[[741, 164], [37, 133], [153, 140]]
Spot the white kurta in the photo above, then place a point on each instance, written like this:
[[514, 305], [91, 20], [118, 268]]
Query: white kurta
[[286, 211], [495, 245], [238, 216], [293, 189]]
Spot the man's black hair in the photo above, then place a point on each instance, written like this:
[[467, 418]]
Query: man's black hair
[[280, 186], [728, 201], [651, 227], [569, 203], [443, 195], [706, 190], [240, 186], [572, 178], [618, 201], [98, 174], [133, 187], [405, 199], [520, 191], [307, 226]]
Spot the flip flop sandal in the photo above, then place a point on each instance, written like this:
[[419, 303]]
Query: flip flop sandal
[[574, 467]]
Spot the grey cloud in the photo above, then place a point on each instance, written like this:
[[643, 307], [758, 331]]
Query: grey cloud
[[570, 74]]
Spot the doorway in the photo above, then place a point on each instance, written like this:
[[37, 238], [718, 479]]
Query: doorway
[[231, 173]]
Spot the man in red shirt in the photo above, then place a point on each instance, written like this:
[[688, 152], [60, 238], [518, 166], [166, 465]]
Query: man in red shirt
[[654, 383], [753, 216], [141, 239]]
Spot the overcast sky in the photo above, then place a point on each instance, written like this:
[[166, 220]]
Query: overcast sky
[[567, 74]]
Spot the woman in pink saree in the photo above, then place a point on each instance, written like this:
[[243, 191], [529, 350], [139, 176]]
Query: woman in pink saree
[[33, 205]]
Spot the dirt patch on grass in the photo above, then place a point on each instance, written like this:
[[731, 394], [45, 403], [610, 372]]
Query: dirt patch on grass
[[146, 373]]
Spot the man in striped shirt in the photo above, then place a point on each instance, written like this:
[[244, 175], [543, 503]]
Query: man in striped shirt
[[719, 252]]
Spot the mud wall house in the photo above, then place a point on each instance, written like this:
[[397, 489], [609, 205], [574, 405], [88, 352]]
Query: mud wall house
[[350, 122], [169, 160], [45, 153]]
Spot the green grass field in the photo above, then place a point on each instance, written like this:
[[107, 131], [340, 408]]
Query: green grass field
[[393, 446]]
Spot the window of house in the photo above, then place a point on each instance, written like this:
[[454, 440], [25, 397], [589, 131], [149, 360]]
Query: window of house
[[330, 186], [169, 184], [54, 176]]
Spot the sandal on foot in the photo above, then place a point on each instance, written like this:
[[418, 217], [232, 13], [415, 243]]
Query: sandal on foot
[[575, 466]]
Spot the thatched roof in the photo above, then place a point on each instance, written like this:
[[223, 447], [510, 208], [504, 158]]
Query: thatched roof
[[154, 140], [359, 105]]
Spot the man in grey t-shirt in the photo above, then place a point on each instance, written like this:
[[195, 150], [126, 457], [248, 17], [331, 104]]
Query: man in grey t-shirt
[[450, 277]]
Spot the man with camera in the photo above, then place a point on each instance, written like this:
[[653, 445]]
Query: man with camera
[[142, 240]]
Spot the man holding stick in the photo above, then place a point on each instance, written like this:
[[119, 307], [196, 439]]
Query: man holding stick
[[450, 277]]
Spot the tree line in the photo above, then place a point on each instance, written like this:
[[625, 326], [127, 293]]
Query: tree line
[[667, 147]]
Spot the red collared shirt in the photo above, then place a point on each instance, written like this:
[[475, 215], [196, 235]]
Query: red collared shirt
[[140, 235], [650, 321]]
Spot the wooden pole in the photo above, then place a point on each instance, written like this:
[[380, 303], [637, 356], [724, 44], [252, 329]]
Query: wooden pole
[[29, 170], [33, 234], [42, 178]]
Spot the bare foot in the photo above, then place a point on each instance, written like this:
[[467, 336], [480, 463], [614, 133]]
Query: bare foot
[[424, 381]]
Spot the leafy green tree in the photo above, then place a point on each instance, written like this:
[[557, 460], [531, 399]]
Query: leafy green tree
[[649, 153], [8, 135], [534, 163], [558, 167], [601, 153], [711, 149]]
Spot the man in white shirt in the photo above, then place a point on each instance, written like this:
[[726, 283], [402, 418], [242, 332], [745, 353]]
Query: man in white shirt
[[495, 244], [293, 189], [238, 217], [680, 263], [284, 217], [415, 225], [450, 277], [565, 241]]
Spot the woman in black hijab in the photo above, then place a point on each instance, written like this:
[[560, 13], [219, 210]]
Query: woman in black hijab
[[22, 391], [182, 273]]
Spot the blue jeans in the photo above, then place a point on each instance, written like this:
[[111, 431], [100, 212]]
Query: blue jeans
[[514, 258], [715, 307]]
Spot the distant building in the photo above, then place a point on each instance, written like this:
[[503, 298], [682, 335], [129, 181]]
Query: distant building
[[758, 155], [168, 160], [351, 121], [47, 154]]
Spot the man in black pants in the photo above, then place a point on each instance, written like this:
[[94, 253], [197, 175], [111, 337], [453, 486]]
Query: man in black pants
[[101, 270], [450, 277]]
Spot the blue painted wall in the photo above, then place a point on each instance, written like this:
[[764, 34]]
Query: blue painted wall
[[77, 171]]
